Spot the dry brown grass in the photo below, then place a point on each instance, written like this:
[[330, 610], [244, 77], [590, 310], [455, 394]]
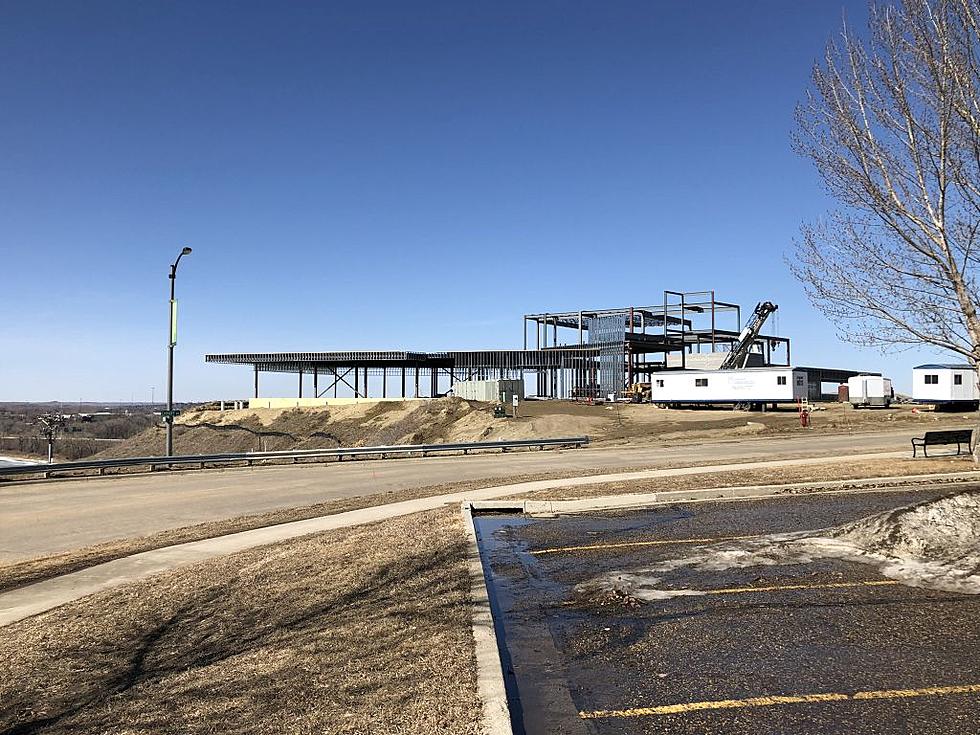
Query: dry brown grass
[[767, 476], [21, 573], [361, 630]]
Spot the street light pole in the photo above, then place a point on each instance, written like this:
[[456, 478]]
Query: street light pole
[[171, 343]]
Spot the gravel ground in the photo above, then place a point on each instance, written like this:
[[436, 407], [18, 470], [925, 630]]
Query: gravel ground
[[365, 630]]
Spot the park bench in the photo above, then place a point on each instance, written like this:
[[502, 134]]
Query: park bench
[[958, 437]]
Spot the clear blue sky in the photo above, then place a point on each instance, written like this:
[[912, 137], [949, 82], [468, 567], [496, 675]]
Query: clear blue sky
[[370, 175]]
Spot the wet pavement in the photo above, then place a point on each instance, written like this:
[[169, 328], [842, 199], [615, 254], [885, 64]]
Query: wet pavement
[[828, 646]]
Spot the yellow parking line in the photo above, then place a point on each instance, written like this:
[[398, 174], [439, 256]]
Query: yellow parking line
[[673, 709], [816, 586], [659, 542]]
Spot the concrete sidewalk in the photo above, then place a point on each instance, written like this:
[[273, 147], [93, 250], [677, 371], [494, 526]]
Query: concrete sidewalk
[[37, 598]]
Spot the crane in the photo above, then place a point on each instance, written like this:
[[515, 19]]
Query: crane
[[739, 353]]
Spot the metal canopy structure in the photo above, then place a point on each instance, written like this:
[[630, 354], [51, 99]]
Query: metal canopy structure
[[587, 353]]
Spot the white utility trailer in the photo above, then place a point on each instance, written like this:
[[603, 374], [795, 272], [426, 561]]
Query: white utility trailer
[[869, 390], [491, 391], [952, 386], [742, 388]]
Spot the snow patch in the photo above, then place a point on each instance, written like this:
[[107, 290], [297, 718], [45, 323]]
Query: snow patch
[[934, 544]]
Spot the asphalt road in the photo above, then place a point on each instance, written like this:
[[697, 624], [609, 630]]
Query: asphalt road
[[822, 647], [47, 517]]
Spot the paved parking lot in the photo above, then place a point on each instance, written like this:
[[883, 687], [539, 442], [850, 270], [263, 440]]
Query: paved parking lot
[[820, 646]]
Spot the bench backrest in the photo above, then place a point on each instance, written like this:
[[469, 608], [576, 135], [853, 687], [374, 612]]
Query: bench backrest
[[950, 436]]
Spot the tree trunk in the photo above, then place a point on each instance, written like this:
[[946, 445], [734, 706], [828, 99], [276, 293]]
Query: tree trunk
[[975, 449]]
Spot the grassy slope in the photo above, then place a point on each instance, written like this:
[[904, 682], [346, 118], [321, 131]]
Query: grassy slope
[[365, 630]]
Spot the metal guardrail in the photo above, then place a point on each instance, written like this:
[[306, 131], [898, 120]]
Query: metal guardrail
[[249, 458]]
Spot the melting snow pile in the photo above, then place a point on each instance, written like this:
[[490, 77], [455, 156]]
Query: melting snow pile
[[934, 544]]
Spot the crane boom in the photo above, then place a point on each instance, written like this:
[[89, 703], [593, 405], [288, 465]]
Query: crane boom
[[739, 353]]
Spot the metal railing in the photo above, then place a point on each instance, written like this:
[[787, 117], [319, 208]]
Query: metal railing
[[249, 458]]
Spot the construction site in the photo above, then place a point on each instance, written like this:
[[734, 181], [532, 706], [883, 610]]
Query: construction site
[[586, 354]]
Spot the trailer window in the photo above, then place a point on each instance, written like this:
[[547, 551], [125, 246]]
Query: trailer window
[[780, 380], [701, 382], [957, 380], [932, 380], [660, 384]]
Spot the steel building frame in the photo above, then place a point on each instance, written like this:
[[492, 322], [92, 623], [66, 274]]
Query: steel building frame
[[644, 343]]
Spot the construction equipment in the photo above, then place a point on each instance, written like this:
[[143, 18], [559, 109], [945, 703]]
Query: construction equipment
[[739, 353], [638, 393]]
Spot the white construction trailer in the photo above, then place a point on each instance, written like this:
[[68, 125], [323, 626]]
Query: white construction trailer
[[869, 390], [947, 386], [742, 388]]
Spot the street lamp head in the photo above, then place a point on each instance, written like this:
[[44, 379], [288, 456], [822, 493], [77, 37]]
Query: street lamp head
[[185, 251]]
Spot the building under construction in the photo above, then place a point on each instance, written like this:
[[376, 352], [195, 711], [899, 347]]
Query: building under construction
[[589, 353]]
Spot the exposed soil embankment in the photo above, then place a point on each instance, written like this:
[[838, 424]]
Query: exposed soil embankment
[[410, 422], [455, 420]]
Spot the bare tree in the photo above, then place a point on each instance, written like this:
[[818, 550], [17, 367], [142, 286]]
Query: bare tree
[[49, 426], [892, 125]]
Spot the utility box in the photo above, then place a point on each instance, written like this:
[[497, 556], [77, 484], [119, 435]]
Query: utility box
[[870, 390], [489, 391]]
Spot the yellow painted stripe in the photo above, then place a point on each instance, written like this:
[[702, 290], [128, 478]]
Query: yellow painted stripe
[[627, 544], [769, 701], [817, 586]]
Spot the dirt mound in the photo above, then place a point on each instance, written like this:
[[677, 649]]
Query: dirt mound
[[366, 424]]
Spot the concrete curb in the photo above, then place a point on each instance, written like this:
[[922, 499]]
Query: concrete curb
[[489, 672], [743, 492]]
